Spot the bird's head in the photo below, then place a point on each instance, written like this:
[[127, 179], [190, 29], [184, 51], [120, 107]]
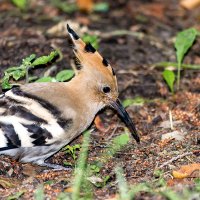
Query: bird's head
[[100, 77]]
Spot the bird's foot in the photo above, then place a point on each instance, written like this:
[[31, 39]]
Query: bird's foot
[[55, 167]]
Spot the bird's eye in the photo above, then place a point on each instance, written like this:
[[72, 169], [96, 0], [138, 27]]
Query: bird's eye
[[106, 89]]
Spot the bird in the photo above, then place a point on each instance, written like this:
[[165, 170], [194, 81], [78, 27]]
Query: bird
[[39, 119]]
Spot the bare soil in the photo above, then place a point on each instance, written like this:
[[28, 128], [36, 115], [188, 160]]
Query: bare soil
[[133, 58]]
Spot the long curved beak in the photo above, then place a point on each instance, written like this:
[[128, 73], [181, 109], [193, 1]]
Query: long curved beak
[[126, 118]]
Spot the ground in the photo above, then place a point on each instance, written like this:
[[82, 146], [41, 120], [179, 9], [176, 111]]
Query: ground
[[145, 34]]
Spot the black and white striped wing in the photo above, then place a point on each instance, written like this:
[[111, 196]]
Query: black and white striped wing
[[27, 121]]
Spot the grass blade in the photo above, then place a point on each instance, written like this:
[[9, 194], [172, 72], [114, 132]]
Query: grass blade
[[122, 184], [81, 167], [39, 193]]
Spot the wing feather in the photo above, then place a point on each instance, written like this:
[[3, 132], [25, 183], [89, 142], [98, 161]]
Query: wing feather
[[27, 121]]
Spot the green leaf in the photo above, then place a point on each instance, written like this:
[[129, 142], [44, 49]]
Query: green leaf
[[18, 74], [137, 101], [21, 4], [67, 163], [169, 77], [39, 193], [118, 143], [45, 59], [184, 41], [115, 145], [46, 79], [197, 184], [93, 39], [5, 82], [11, 69], [72, 150], [101, 7], [65, 6], [64, 75], [28, 60], [95, 168], [120, 140]]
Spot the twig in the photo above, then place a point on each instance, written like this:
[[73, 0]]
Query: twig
[[170, 64], [122, 32], [175, 158], [113, 132], [138, 35], [171, 120]]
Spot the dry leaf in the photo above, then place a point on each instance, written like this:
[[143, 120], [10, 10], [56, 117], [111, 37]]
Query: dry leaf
[[192, 170], [6, 6], [174, 182], [165, 142], [190, 4], [177, 135], [153, 9], [69, 190], [99, 124], [85, 5], [95, 179]]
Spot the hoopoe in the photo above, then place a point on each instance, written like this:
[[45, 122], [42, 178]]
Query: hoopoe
[[38, 119]]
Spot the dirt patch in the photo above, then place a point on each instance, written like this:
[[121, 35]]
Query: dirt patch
[[24, 33]]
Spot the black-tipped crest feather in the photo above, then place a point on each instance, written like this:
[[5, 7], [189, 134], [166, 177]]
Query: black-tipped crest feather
[[89, 48], [77, 63], [113, 72], [105, 62], [72, 32]]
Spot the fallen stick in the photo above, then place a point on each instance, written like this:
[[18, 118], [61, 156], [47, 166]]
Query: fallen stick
[[175, 158]]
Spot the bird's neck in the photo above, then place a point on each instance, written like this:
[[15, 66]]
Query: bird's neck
[[81, 88]]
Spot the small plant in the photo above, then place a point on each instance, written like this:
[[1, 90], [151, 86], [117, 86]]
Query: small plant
[[21, 71], [94, 168], [184, 41], [21, 4], [137, 101], [115, 145], [64, 75], [72, 150]]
